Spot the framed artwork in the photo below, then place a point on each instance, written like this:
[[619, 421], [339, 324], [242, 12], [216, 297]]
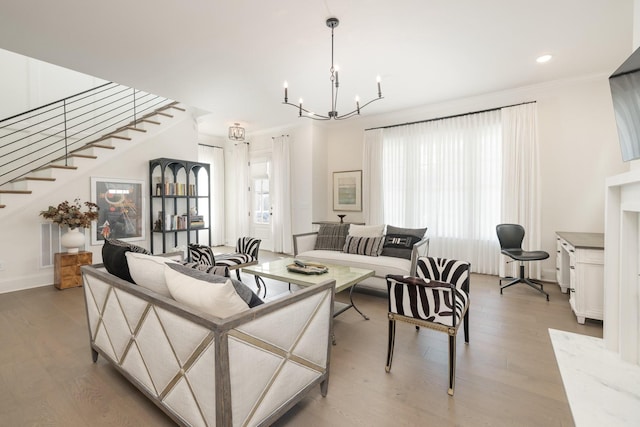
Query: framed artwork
[[121, 215], [347, 191]]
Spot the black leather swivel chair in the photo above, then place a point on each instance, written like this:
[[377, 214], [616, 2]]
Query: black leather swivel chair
[[510, 237]]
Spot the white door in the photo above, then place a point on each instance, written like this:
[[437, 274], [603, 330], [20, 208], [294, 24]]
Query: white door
[[259, 182]]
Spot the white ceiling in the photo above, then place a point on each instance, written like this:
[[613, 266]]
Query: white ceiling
[[231, 57]]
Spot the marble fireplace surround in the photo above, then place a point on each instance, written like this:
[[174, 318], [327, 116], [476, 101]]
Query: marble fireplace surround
[[621, 325], [601, 389], [602, 376]]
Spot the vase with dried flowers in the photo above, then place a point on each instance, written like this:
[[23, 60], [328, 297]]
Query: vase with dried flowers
[[72, 216]]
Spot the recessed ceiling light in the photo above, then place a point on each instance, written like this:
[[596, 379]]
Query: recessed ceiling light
[[544, 58]]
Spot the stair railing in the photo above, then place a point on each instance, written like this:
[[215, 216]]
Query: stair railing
[[52, 132]]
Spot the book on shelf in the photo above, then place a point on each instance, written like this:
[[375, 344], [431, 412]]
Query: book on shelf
[[175, 222], [179, 222], [175, 189], [196, 221]]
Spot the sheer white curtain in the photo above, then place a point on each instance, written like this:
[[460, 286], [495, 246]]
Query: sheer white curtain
[[521, 183], [240, 173], [446, 175], [215, 157], [281, 195], [372, 196]]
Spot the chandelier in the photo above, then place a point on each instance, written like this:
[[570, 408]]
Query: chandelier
[[333, 114], [236, 133]]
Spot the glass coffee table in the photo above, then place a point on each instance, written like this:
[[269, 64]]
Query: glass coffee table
[[345, 277]]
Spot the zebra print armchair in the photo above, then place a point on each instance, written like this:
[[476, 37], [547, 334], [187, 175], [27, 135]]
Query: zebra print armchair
[[246, 254], [437, 299]]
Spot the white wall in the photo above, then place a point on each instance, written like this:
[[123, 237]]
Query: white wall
[[578, 150], [28, 83], [320, 191]]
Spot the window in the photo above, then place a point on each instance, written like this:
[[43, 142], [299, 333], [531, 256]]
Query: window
[[459, 177], [261, 201], [446, 175]]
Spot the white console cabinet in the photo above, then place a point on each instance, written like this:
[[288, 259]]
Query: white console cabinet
[[580, 270]]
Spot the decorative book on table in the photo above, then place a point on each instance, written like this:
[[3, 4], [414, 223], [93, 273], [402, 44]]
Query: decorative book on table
[[307, 268]]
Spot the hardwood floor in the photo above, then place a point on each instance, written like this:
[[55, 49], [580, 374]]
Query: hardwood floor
[[506, 376]]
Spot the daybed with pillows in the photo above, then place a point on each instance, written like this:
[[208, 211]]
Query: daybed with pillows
[[203, 347], [391, 251]]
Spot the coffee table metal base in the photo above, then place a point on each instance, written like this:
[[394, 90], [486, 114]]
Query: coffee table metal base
[[345, 277], [341, 307]]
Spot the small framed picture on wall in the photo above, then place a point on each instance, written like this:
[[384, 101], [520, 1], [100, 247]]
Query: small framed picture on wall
[[347, 191]]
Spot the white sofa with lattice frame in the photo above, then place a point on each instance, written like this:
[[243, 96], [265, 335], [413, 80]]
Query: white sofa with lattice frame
[[243, 370]]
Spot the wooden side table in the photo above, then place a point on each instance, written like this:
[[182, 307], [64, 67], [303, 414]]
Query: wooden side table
[[66, 273]]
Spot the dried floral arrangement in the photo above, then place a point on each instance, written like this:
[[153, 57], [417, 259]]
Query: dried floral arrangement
[[71, 214]]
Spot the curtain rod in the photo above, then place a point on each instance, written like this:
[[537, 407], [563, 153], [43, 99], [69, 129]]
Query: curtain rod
[[211, 146], [450, 117], [274, 137]]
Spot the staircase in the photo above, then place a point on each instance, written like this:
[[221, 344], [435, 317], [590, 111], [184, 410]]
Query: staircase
[[38, 149]]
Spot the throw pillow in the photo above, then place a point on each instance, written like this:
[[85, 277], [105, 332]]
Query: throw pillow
[[219, 270], [201, 254], [114, 260], [371, 246], [148, 271], [210, 276], [216, 299], [332, 236], [366, 230], [399, 242]]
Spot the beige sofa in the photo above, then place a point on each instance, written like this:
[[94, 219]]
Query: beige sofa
[[304, 244], [243, 370]]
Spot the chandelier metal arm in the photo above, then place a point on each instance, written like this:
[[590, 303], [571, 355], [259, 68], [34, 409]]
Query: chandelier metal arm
[[315, 116], [310, 114], [356, 112]]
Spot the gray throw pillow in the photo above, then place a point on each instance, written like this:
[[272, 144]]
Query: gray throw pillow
[[371, 246], [398, 242], [332, 237]]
